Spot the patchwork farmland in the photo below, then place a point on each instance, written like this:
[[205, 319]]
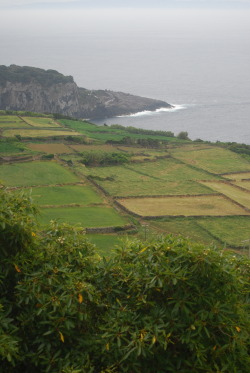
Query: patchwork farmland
[[167, 185]]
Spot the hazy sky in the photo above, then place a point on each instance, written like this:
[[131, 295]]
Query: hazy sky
[[126, 3]]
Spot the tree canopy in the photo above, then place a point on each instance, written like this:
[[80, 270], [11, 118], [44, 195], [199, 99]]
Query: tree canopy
[[165, 306]]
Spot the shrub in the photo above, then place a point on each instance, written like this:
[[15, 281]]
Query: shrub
[[164, 306]]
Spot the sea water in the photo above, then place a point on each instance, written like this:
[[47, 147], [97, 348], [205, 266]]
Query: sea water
[[196, 60]]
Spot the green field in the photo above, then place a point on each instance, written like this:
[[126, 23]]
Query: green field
[[10, 119], [229, 230], [104, 133], [14, 125], [38, 133], [64, 195], [214, 159], [184, 183], [186, 227], [162, 177], [11, 147], [35, 173], [105, 243], [171, 170], [41, 122], [83, 216]]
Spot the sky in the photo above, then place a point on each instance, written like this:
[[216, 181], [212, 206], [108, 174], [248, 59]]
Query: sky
[[223, 4]]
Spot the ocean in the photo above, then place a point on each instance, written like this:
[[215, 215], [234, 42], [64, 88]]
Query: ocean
[[196, 60]]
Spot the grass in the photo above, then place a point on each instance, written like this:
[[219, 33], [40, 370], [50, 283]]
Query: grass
[[131, 181], [13, 125], [35, 173], [50, 148], [186, 206], [171, 170], [104, 133], [232, 192], [37, 133], [64, 195], [87, 217], [10, 119], [238, 176], [230, 230], [213, 159], [41, 122], [105, 243], [186, 227], [243, 184], [94, 148], [11, 147]]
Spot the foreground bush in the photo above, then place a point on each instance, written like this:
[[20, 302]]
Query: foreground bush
[[167, 306]]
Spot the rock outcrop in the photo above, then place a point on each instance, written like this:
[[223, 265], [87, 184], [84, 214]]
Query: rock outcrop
[[47, 91]]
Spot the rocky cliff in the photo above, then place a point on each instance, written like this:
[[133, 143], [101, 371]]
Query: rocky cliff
[[47, 91]]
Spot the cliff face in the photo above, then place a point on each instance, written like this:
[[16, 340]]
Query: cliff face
[[59, 98], [47, 91]]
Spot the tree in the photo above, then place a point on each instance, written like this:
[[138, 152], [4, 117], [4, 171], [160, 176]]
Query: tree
[[164, 306], [183, 135]]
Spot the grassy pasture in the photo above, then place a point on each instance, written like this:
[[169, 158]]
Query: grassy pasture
[[230, 230], [186, 206], [37, 133], [104, 133], [123, 181], [243, 184], [186, 227], [105, 243], [170, 169], [50, 148], [83, 216], [214, 159], [14, 125], [35, 173], [64, 195], [10, 119], [238, 176], [41, 122], [10, 147], [231, 191]]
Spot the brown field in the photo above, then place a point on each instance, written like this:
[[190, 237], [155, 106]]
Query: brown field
[[86, 148], [238, 176], [230, 191], [38, 133], [138, 150], [243, 184], [50, 148], [186, 206]]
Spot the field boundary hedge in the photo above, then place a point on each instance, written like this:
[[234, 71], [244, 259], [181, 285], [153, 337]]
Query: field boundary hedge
[[113, 229], [170, 196]]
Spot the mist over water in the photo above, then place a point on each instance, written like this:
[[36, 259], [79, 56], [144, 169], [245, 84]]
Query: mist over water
[[197, 60]]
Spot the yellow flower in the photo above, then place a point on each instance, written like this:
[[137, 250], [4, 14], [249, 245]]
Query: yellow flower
[[80, 298], [61, 336], [17, 268]]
